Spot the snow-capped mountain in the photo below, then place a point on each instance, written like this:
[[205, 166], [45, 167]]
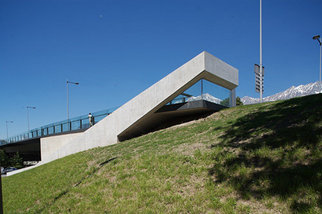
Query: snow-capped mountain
[[299, 91], [207, 97]]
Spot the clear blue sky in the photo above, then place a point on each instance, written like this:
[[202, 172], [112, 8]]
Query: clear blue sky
[[110, 47]]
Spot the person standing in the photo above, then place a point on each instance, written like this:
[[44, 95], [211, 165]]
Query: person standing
[[90, 119]]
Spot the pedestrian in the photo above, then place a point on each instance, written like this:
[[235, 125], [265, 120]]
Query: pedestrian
[[90, 119]]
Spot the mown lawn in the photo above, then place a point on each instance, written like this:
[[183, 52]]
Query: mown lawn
[[264, 158]]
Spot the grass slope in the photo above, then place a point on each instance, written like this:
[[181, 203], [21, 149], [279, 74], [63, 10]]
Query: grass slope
[[248, 159]]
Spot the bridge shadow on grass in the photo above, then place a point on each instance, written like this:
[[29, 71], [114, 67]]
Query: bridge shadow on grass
[[275, 152]]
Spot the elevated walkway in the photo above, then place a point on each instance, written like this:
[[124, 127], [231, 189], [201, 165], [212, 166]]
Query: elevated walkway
[[177, 111], [153, 109], [138, 112]]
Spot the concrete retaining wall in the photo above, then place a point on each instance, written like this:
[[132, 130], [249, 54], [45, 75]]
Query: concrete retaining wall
[[51, 147]]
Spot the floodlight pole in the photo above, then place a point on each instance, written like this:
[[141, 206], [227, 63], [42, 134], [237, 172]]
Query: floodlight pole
[[260, 52]]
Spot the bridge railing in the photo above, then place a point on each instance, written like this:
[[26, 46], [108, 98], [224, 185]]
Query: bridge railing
[[65, 126], [80, 123]]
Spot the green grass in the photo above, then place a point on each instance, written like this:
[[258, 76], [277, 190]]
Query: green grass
[[264, 158]]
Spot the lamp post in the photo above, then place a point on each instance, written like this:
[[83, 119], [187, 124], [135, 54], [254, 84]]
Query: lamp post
[[8, 121], [29, 107], [317, 37], [69, 82], [260, 52]]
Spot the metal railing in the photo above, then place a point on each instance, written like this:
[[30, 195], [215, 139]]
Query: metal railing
[[78, 123], [72, 125]]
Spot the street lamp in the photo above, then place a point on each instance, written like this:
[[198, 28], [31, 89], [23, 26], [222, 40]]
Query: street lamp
[[261, 51], [8, 121], [69, 82], [29, 107], [317, 37]]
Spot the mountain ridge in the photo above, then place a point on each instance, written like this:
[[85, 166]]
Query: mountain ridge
[[205, 96], [294, 91]]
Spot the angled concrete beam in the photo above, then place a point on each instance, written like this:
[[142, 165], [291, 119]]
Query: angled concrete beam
[[203, 66]]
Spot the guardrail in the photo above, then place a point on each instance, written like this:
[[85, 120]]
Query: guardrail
[[65, 126]]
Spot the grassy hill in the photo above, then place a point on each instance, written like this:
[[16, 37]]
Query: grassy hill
[[264, 158]]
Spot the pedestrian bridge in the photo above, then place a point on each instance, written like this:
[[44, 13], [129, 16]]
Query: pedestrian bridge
[[178, 110], [163, 104]]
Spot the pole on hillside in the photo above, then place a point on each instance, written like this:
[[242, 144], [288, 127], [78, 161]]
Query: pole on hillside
[[74, 83], [1, 204], [261, 53]]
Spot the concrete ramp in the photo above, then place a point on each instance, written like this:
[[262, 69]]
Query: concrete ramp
[[140, 108]]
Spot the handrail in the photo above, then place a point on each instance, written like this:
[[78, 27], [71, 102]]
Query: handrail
[[79, 123], [74, 124]]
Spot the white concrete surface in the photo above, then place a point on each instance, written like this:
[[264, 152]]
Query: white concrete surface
[[105, 132], [23, 169], [51, 143], [232, 98]]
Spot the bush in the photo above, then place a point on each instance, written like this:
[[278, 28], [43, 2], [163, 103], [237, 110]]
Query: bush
[[225, 102], [14, 161], [4, 159]]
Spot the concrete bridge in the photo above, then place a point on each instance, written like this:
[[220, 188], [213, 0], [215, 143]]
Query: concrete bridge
[[173, 113], [150, 110]]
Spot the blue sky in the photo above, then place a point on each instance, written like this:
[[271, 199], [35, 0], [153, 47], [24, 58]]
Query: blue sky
[[116, 49]]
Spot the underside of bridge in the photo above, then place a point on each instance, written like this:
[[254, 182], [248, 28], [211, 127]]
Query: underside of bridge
[[29, 150], [170, 115]]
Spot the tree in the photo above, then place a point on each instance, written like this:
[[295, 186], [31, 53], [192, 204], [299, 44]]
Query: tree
[[16, 161], [239, 102], [225, 102], [4, 159]]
